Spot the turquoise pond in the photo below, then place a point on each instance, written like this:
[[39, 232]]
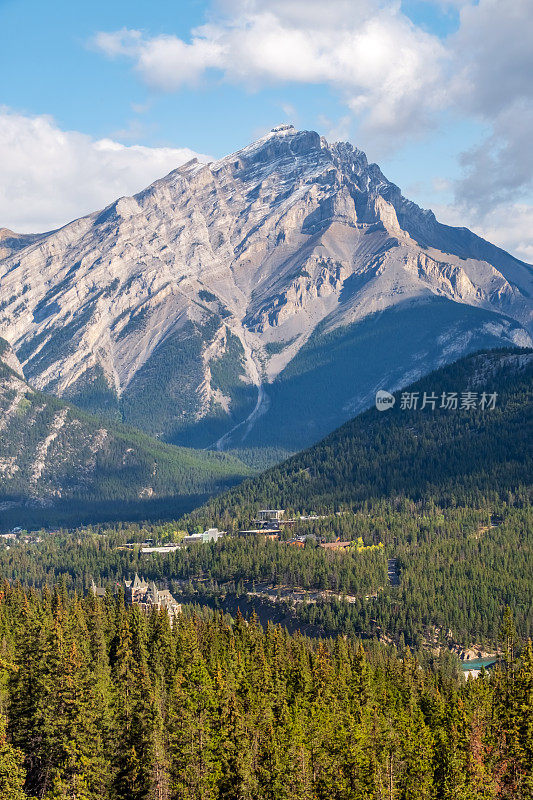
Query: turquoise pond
[[477, 663]]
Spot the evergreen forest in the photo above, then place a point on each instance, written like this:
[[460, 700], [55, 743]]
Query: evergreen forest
[[102, 702]]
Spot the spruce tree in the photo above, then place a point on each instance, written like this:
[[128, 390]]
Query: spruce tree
[[12, 772]]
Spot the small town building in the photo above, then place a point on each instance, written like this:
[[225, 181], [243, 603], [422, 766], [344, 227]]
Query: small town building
[[210, 535], [147, 596], [270, 515], [164, 548], [269, 520], [299, 541], [98, 591]]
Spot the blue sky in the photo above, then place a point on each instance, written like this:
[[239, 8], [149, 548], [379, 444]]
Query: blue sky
[[58, 72], [408, 82]]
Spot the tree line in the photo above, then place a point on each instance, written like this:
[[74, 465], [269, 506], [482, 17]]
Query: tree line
[[101, 702]]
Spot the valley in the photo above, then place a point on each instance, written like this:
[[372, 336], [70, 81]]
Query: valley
[[394, 592], [266, 400], [409, 526], [60, 465]]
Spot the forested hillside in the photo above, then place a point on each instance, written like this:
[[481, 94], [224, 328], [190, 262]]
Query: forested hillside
[[59, 465], [445, 492], [458, 569], [450, 456], [102, 702], [99, 701]]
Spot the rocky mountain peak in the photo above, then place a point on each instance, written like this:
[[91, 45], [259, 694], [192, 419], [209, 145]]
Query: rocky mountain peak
[[182, 309], [280, 149]]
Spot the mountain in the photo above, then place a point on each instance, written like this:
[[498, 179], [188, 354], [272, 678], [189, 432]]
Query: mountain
[[448, 456], [257, 300], [64, 466]]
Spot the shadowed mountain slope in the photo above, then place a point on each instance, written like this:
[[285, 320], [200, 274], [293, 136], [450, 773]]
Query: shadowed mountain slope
[[60, 465], [451, 456]]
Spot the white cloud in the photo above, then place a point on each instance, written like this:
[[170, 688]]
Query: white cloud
[[500, 168], [394, 78], [510, 225], [336, 130], [49, 176], [389, 72], [493, 60], [123, 42], [290, 112], [165, 62], [493, 55], [446, 5]]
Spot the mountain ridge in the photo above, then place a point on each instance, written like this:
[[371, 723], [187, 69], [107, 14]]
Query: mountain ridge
[[447, 457], [180, 310], [59, 465]]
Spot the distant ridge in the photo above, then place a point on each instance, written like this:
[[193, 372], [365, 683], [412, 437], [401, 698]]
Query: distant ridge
[[458, 457], [61, 466]]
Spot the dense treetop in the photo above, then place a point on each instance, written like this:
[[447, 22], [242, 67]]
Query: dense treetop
[[105, 703]]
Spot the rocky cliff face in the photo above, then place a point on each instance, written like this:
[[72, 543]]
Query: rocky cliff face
[[289, 273]]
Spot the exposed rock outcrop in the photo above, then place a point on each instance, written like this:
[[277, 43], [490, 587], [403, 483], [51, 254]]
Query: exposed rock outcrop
[[285, 238]]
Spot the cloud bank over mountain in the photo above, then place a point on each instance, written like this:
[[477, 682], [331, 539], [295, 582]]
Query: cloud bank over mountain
[[48, 175], [388, 71], [395, 76]]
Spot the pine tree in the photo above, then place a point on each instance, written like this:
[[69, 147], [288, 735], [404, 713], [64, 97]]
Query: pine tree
[[134, 709], [514, 715], [234, 753], [194, 768], [12, 773]]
